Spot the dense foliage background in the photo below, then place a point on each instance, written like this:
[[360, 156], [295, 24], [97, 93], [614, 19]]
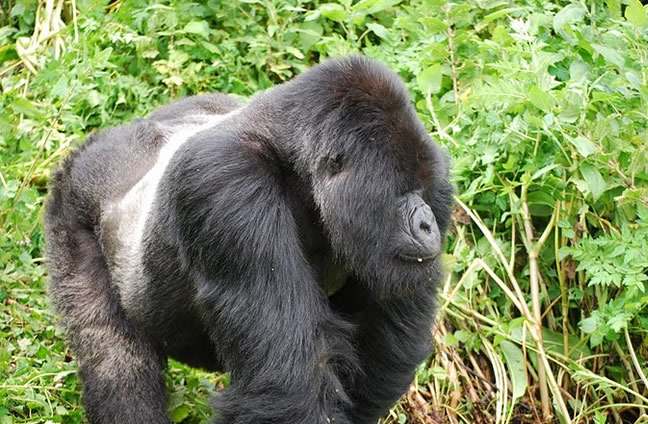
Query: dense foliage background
[[543, 106]]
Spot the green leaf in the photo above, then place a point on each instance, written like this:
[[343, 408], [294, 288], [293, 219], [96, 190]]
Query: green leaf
[[500, 13], [439, 373], [379, 30], [212, 48], [578, 70], [540, 172], [295, 52], [515, 361], [596, 339], [433, 24], [614, 8], [179, 413], [272, 29], [7, 52], [589, 325], [636, 14], [540, 99], [197, 27], [594, 179], [27, 108], [312, 15], [541, 198], [429, 80], [333, 11], [309, 34], [583, 145], [611, 55], [150, 53], [450, 340], [374, 6], [570, 13], [619, 321], [555, 342]]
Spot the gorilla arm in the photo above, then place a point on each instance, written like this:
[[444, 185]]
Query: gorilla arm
[[256, 293], [393, 338]]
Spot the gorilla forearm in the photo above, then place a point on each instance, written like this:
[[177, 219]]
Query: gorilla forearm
[[284, 358], [285, 345], [394, 337]]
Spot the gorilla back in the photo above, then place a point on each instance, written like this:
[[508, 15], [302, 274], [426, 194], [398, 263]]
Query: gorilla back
[[293, 241]]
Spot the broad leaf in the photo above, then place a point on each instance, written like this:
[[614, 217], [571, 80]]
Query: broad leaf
[[198, 27], [611, 56], [594, 179], [571, 13], [429, 79], [541, 99], [516, 365], [583, 145], [636, 14]]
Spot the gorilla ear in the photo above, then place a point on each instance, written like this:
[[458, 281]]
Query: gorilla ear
[[334, 164]]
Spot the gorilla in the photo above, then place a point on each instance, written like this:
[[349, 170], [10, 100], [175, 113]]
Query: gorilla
[[292, 240]]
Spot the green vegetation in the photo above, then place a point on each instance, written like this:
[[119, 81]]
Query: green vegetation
[[543, 106]]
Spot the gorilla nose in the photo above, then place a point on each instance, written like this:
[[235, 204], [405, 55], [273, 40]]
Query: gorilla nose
[[425, 231]]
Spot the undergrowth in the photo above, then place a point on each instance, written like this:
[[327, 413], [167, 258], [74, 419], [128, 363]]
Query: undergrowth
[[543, 316]]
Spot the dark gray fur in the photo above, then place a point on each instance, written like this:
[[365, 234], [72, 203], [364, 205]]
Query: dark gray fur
[[294, 244]]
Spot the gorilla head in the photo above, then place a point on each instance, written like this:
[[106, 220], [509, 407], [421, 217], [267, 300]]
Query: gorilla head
[[292, 240], [377, 179]]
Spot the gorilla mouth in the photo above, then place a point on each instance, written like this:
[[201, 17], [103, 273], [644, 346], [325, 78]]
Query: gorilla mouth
[[419, 258]]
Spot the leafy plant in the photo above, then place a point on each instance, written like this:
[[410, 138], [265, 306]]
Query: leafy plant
[[541, 105]]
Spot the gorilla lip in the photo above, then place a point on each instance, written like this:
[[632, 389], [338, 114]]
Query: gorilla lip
[[419, 259]]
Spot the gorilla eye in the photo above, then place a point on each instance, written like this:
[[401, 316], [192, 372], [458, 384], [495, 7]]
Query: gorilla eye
[[334, 164]]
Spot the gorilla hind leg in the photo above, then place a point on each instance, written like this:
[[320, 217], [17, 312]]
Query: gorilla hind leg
[[121, 371]]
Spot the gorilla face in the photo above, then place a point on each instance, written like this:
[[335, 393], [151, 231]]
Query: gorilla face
[[377, 208]]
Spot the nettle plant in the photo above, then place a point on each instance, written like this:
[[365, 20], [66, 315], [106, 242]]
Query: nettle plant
[[615, 265]]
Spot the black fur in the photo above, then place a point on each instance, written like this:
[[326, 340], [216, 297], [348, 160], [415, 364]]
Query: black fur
[[294, 244]]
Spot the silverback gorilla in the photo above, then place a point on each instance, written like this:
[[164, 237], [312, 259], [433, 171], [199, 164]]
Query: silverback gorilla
[[292, 240]]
